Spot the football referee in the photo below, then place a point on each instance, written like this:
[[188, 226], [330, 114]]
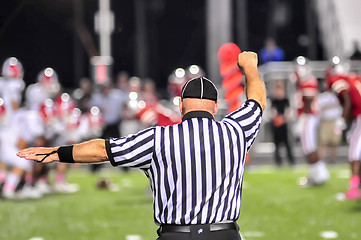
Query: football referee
[[195, 168]]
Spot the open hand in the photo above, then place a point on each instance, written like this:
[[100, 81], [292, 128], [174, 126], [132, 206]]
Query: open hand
[[39, 154]]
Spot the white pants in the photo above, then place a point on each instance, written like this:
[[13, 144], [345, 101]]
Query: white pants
[[9, 149], [309, 134], [354, 151]]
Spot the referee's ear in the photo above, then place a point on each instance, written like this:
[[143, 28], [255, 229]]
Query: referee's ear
[[181, 106], [215, 108]]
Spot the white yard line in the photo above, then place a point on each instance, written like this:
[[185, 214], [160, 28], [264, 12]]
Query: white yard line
[[329, 234]]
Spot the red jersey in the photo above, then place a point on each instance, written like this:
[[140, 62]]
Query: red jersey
[[307, 87], [157, 115], [348, 83]]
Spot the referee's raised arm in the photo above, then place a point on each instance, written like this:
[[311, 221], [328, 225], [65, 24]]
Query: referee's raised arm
[[255, 88]]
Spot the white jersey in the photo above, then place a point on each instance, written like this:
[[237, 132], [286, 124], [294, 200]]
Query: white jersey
[[329, 106], [10, 91], [68, 131], [90, 128], [24, 124], [35, 96]]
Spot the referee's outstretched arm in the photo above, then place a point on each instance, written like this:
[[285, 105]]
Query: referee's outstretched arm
[[92, 151]]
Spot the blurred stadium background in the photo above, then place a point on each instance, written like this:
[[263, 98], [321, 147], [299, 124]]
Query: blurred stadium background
[[152, 39], [169, 34]]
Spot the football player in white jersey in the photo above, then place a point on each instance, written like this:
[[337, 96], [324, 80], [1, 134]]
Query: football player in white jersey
[[12, 84], [23, 129], [46, 87], [11, 87]]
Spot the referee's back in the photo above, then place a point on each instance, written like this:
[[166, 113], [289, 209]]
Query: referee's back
[[195, 167]]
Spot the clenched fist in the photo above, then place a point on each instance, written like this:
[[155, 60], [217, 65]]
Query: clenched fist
[[247, 59]]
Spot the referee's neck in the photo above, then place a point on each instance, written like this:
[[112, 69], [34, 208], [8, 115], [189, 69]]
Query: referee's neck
[[197, 114], [188, 105]]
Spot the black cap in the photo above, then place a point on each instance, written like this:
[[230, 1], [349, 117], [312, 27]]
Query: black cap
[[201, 88]]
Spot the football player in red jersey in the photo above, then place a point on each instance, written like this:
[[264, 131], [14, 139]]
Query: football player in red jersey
[[348, 89], [307, 91]]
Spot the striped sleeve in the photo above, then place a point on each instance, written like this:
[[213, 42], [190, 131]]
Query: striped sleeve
[[132, 151], [249, 117]]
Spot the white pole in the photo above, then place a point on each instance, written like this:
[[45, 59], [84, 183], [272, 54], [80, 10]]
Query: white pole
[[219, 31], [105, 27]]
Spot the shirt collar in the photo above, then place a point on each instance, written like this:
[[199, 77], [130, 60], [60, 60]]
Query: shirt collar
[[197, 114]]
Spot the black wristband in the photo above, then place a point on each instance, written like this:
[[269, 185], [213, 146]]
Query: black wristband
[[65, 154]]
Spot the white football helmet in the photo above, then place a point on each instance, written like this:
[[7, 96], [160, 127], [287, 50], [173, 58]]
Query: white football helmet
[[12, 68]]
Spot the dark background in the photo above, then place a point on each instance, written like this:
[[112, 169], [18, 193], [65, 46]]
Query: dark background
[[41, 33]]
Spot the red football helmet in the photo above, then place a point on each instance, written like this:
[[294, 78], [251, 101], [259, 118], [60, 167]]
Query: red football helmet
[[336, 68], [12, 68]]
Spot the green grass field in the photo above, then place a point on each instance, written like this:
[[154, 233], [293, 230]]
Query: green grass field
[[273, 207]]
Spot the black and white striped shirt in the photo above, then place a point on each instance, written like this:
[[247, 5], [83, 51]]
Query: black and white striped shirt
[[195, 167]]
